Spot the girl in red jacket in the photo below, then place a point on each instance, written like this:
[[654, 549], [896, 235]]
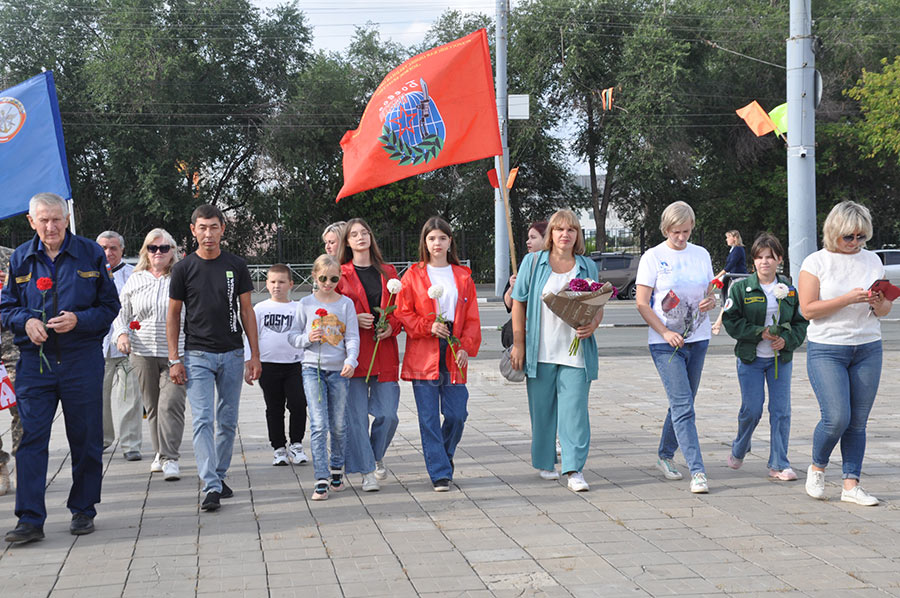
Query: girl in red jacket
[[368, 281], [439, 311]]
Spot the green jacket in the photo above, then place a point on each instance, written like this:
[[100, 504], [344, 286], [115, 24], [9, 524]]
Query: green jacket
[[745, 315]]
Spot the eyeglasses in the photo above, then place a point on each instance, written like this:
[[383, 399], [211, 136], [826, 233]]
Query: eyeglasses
[[333, 279], [159, 248], [850, 238]]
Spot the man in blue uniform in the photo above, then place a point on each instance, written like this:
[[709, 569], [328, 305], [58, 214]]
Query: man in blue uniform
[[65, 280]]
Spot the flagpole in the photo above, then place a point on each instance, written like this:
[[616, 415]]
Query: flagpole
[[501, 162], [504, 192]]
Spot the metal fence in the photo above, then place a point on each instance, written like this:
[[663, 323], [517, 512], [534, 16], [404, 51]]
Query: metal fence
[[302, 274]]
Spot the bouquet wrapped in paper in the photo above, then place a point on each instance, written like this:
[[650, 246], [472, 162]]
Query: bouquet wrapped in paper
[[578, 302]]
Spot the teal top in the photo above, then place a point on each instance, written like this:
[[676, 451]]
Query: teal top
[[529, 291]]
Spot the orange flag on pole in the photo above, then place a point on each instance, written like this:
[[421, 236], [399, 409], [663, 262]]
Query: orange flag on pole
[[434, 110], [756, 118]]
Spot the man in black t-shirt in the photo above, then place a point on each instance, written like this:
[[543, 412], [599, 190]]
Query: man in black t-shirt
[[213, 287]]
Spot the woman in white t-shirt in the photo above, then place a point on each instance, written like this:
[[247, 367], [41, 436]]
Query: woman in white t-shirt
[[843, 358], [673, 297], [558, 381]]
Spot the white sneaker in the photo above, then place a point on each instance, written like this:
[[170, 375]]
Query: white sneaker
[[667, 466], [298, 457], [369, 483], [577, 483], [280, 457], [815, 483], [157, 465], [547, 474], [699, 484], [859, 496], [380, 471], [171, 471]]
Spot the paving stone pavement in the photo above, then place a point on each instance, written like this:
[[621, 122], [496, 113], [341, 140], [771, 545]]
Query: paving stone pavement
[[501, 531]]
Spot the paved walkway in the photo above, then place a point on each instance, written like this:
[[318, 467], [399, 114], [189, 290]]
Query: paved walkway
[[501, 531]]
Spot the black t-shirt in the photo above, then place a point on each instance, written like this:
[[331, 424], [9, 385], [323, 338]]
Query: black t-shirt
[[371, 282], [210, 291]]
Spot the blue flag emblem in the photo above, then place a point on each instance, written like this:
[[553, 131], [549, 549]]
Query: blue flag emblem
[[32, 151], [413, 130]]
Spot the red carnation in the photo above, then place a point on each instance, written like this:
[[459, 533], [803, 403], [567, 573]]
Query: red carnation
[[44, 283], [717, 283], [321, 312], [135, 325]]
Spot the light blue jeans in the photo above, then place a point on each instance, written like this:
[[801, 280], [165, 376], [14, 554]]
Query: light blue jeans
[[845, 380], [680, 374], [753, 378], [326, 402], [380, 400], [209, 374]]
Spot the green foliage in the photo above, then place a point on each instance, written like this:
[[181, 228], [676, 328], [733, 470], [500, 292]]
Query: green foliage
[[878, 95]]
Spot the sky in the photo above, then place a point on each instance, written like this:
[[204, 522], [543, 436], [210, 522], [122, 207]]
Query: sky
[[403, 21]]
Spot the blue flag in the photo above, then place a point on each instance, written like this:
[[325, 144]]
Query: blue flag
[[32, 151]]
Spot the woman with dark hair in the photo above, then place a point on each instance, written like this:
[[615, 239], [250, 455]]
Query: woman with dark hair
[[753, 307], [367, 280], [438, 308], [534, 242]]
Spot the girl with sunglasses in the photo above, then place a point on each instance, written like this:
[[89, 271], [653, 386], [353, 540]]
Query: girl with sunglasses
[[843, 358], [327, 331], [373, 388], [140, 332], [439, 311]]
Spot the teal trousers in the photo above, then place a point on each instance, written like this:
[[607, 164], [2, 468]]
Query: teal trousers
[[558, 403]]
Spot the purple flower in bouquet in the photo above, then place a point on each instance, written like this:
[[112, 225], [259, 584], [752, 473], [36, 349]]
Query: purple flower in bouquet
[[579, 285], [595, 286]]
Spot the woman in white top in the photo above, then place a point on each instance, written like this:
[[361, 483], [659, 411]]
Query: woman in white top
[[140, 330], [844, 355], [558, 381], [672, 296]]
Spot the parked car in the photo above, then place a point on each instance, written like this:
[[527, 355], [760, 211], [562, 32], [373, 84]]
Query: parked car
[[891, 260], [620, 269]]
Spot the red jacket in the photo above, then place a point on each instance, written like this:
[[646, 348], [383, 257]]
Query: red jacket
[[387, 360], [417, 311]]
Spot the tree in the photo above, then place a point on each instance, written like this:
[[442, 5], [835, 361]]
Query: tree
[[878, 95]]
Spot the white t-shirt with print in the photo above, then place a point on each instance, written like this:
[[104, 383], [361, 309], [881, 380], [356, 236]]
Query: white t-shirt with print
[[679, 280], [764, 347], [839, 273]]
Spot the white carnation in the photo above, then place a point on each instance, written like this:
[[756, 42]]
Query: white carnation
[[780, 291], [435, 291], [394, 285]]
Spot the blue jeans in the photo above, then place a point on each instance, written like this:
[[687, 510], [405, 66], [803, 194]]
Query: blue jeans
[[845, 379], [209, 374], [326, 401], [680, 374], [380, 400], [753, 378], [433, 399]]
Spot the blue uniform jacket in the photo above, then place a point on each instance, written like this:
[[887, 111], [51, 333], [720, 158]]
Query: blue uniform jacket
[[82, 284], [530, 290]]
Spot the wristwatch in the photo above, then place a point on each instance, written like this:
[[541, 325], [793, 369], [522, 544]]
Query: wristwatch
[[173, 362]]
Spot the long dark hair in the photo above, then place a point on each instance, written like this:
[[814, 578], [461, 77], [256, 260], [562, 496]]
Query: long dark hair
[[345, 254], [437, 223]]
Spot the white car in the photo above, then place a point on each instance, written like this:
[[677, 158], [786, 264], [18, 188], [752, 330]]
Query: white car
[[891, 260]]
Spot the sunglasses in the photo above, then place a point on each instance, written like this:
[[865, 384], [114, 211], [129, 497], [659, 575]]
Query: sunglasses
[[324, 278], [159, 248], [849, 238]]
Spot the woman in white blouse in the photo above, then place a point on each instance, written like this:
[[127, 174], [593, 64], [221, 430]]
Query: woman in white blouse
[[843, 358], [140, 331]]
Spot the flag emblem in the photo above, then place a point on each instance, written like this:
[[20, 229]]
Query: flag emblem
[[12, 117], [413, 130]]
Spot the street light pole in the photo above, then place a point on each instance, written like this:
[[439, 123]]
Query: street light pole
[[501, 236]]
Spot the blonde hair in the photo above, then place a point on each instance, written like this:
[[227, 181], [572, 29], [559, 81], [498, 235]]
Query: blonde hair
[[335, 227], [847, 217], [736, 235], [564, 218], [674, 214], [144, 255], [325, 261]]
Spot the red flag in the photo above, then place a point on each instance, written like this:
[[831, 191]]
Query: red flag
[[493, 179], [434, 110], [756, 118]]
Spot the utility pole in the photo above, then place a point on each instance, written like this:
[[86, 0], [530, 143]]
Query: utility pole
[[501, 236], [801, 152]]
